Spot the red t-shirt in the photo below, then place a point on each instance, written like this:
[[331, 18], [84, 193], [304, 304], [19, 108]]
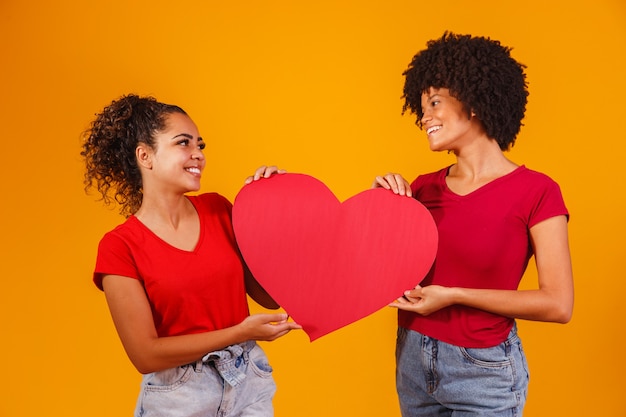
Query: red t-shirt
[[484, 242], [189, 291]]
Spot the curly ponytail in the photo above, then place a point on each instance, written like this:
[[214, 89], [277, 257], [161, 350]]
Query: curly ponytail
[[110, 143]]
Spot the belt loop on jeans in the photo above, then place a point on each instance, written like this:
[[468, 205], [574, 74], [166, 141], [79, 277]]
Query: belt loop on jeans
[[197, 365], [511, 339]]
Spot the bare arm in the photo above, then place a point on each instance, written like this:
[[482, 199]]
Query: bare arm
[[257, 292], [552, 301], [148, 352]]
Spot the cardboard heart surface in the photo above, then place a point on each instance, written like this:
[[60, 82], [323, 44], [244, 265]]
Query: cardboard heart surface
[[327, 263]]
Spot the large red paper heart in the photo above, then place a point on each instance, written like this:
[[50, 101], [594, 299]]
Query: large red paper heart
[[328, 263]]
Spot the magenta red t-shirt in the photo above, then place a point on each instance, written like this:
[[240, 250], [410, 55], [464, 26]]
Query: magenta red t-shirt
[[189, 291], [484, 242]]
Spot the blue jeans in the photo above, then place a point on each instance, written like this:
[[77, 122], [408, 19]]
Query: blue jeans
[[434, 378], [224, 385]]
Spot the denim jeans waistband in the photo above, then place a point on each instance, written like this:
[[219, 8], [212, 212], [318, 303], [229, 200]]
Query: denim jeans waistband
[[228, 362]]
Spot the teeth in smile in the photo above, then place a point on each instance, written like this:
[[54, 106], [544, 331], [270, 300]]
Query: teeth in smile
[[194, 170], [433, 129]]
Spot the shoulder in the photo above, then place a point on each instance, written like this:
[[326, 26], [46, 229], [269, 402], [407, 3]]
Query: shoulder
[[542, 194], [429, 178], [125, 232], [212, 205], [535, 179], [211, 200], [534, 175], [440, 173]]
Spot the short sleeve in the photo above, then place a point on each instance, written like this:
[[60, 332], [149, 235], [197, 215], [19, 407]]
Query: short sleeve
[[114, 258], [549, 203]]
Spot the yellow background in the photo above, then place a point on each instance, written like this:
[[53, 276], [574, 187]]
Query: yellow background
[[313, 87]]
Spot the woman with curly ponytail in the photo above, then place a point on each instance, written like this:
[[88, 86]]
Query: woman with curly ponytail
[[172, 274]]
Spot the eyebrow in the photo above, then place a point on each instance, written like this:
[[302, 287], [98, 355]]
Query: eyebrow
[[430, 99], [188, 136]]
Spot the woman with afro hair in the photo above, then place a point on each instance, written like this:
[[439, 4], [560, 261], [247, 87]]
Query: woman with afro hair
[[172, 274], [458, 352]]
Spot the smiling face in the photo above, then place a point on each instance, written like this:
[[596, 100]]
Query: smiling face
[[447, 122], [177, 160]]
